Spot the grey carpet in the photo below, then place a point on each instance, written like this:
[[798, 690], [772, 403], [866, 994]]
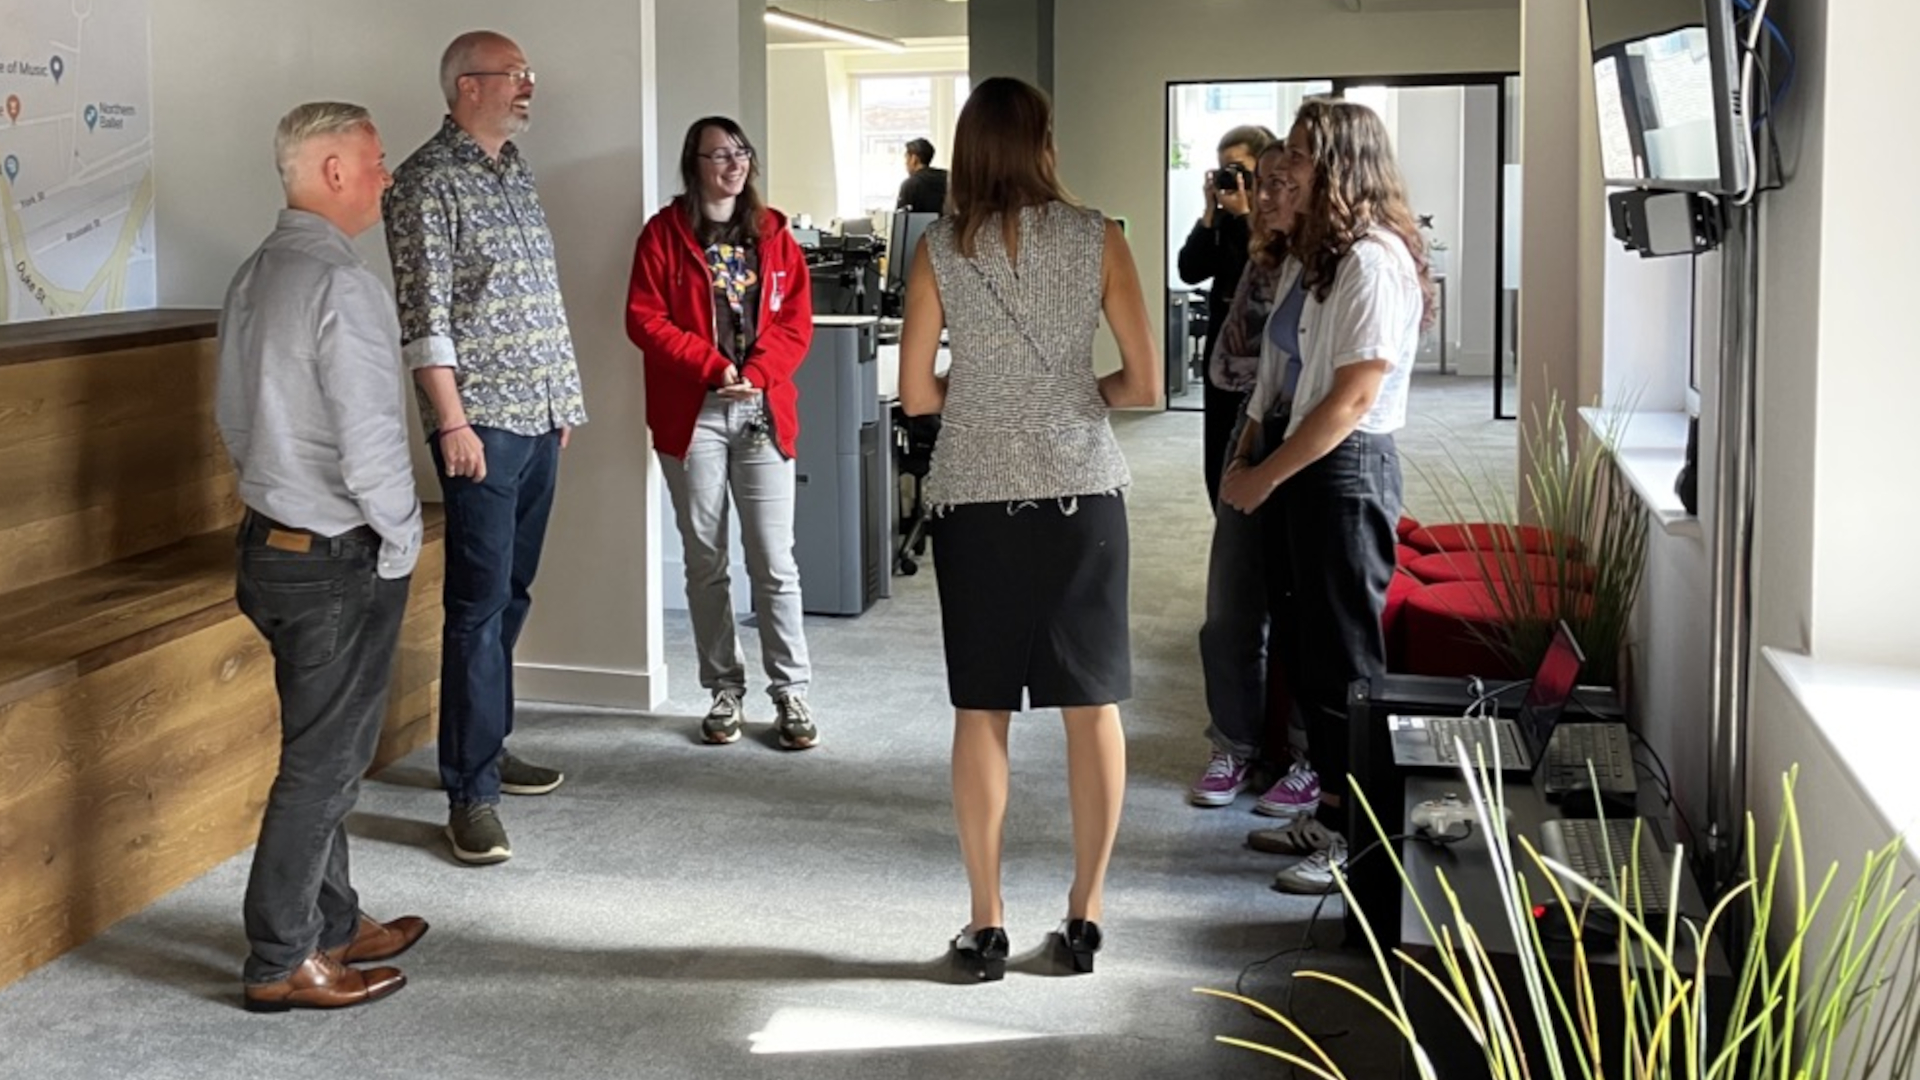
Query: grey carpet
[[678, 910]]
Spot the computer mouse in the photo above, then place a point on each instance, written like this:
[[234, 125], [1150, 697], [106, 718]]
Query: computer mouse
[[1597, 923]]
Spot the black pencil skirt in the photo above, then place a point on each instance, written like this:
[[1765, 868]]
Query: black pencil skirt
[[1033, 603]]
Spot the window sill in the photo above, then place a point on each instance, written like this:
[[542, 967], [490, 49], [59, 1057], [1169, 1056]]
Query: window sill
[[1651, 448], [1861, 710]]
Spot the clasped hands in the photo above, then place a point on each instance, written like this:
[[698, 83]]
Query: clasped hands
[[1245, 487], [736, 387]]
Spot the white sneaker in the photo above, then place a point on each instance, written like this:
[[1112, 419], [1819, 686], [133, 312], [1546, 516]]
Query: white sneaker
[[1313, 875]]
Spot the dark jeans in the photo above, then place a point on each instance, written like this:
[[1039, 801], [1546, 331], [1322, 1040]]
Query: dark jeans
[[1240, 607], [334, 626], [1336, 549], [495, 529], [1219, 425]]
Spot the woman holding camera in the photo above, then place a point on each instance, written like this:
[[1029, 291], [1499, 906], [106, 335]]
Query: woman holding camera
[[1216, 250], [1355, 254]]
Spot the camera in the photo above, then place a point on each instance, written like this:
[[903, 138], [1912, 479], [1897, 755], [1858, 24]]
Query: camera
[[1233, 176]]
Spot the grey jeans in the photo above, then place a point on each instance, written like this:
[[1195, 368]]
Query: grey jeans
[[333, 626], [729, 465]]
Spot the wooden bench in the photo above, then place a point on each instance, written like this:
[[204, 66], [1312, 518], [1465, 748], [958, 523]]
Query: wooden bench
[[138, 725]]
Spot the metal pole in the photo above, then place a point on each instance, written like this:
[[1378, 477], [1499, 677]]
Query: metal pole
[[1732, 536]]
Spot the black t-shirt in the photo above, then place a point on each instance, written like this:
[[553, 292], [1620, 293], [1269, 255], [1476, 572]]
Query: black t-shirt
[[1219, 253], [925, 192]]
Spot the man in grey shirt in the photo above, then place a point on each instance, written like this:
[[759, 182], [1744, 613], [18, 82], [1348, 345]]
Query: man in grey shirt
[[310, 410]]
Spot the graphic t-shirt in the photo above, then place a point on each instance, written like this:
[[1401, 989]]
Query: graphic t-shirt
[[735, 270]]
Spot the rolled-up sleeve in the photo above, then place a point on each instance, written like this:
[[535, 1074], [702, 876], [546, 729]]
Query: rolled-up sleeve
[[420, 224], [358, 357]]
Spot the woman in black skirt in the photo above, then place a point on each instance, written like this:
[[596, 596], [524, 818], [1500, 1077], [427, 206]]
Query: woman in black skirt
[[1030, 540]]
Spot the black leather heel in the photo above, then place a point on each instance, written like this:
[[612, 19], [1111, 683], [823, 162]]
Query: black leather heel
[[1079, 939], [983, 953]]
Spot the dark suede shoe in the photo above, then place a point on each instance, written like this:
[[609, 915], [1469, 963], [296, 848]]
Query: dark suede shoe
[[376, 941], [320, 982]]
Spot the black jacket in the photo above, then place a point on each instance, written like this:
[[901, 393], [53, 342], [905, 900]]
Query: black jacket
[[1219, 253], [925, 192]]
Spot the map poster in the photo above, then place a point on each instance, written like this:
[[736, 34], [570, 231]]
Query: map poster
[[76, 158]]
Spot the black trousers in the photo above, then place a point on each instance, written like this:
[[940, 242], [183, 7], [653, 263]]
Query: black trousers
[[1222, 414], [1335, 547], [334, 626]]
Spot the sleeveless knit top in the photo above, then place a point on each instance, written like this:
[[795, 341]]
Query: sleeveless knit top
[[1023, 418]]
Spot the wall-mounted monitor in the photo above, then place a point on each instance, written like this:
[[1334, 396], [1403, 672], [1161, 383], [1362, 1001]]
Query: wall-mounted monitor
[[1667, 84]]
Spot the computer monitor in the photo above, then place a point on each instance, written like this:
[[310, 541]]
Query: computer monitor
[[1667, 89], [902, 240], [808, 239]]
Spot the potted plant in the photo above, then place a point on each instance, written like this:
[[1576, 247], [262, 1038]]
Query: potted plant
[[1593, 529], [1824, 977]]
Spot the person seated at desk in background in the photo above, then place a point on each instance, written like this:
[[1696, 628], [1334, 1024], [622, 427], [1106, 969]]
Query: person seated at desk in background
[[924, 191]]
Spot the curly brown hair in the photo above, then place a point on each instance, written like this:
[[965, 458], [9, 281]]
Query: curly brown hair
[[1357, 187]]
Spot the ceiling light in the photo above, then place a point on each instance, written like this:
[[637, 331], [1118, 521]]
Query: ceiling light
[[834, 31]]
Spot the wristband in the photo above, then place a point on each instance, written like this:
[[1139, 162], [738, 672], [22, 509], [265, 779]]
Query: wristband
[[446, 431]]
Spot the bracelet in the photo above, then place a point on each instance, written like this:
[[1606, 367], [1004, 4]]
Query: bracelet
[[446, 431]]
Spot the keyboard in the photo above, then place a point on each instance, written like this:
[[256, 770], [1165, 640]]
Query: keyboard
[[1444, 730], [1574, 745], [1589, 846]]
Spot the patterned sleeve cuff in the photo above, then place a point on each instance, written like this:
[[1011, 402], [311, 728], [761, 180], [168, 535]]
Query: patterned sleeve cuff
[[429, 352]]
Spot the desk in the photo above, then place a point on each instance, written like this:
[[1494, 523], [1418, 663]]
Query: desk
[[1468, 868]]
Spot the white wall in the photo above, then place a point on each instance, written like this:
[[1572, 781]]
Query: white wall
[[1110, 130], [226, 70], [1473, 262], [1428, 132], [801, 133]]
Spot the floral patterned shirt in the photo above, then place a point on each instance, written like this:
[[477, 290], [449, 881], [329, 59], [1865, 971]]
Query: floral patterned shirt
[[478, 289]]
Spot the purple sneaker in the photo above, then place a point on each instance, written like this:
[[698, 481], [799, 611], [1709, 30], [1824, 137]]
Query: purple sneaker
[[1225, 777], [1297, 794]]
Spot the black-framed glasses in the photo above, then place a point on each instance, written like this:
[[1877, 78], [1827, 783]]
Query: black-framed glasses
[[523, 78], [739, 154]]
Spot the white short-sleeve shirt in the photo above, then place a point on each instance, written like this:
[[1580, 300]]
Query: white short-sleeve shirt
[[1373, 312]]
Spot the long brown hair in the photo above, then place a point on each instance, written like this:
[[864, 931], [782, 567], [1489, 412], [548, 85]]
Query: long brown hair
[[1002, 158], [748, 209], [1357, 186]]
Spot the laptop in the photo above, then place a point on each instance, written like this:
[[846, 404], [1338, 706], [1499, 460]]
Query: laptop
[[1427, 743]]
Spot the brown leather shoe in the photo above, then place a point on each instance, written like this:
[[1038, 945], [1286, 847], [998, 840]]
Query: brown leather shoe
[[376, 941], [320, 982]]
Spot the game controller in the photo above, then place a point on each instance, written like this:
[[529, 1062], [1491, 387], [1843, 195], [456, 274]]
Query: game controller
[[1447, 818]]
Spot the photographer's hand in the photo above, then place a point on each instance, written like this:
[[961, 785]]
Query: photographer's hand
[[1212, 197]]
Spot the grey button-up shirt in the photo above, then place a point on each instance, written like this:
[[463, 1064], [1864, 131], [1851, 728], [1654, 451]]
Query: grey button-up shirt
[[478, 287], [309, 403]]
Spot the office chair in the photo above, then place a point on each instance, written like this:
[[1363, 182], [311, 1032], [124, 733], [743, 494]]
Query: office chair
[[913, 438]]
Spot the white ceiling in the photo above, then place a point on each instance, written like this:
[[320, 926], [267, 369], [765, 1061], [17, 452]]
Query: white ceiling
[[888, 18]]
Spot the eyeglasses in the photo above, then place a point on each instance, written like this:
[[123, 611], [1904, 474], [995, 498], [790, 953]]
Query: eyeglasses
[[522, 78], [739, 154]]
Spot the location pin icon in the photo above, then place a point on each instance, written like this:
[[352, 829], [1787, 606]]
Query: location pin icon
[[92, 115], [58, 67], [13, 107], [13, 168]]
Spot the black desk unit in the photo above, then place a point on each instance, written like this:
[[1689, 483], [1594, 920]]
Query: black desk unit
[[1468, 867]]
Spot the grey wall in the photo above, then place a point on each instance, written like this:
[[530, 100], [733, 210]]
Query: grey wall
[[1012, 37]]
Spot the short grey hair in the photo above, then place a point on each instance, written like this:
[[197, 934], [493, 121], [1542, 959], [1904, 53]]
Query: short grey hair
[[314, 120], [458, 59]]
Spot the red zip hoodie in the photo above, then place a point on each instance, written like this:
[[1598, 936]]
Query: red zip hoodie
[[670, 317]]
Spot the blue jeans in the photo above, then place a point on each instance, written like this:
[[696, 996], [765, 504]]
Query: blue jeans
[[333, 625], [495, 529]]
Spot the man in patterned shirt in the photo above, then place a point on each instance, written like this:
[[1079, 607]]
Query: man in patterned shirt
[[483, 328]]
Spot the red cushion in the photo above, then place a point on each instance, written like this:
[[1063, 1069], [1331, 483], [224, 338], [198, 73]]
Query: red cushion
[[1403, 556], [1399, 590], [1494, 567], [1453, 629], [1406, 525], [1480, 536]]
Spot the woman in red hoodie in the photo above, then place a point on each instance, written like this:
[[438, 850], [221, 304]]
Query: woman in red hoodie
[[720, 306]]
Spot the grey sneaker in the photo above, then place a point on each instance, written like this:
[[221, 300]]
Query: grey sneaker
[[793, 722], [722, 723], [1313, 875], [477, 835], [519, 777]]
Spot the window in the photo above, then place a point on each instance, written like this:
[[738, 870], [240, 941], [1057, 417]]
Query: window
[[890, 110]]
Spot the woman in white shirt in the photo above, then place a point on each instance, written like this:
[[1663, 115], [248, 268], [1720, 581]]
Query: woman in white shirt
[[1356, 256]]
